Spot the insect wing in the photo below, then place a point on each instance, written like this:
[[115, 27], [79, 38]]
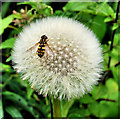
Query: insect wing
[[48, 50], [33, 47]]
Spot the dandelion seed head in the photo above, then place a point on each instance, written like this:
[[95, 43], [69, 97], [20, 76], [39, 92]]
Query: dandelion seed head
[[72, 69]]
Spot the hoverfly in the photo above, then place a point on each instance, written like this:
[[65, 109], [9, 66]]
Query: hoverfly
[[42, 46]]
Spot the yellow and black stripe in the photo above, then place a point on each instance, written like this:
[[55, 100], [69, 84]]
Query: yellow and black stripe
[[41, 50], [41, 47]]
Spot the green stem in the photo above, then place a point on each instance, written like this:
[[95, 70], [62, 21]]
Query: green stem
[[57, 108], [10, 26]]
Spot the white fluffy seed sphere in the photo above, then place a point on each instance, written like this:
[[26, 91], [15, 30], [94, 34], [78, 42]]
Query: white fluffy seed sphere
[[72, 68]]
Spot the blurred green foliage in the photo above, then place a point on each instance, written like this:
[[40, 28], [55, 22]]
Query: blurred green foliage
[[19, 100]]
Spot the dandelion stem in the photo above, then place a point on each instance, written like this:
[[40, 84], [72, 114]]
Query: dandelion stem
[[57, 108]]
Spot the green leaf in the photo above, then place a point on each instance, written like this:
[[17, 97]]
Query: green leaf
[[94, 108], [32, 4], [41, 8], [46, 100], [90, 7], [9, 43], [116, 38], [5, 8], [108, 19], [114, 54], [9, 59], [73, 115], [29, 91], [4, 67], [103, 109], [14, 97], [78, 112], [58, 13], [99, 27], [40, 106], [84, 18], [66, 106], [115, 72], [1, 109], [6, 79], [99, 92], [7, 20], [112, 87], [17, 99], [36, 97], [1, 28], [95, 23], [115, 26], [108, 109], [46, 11], [69, 14], [13, 111], [86, 99], [77, 6], [104, 9]]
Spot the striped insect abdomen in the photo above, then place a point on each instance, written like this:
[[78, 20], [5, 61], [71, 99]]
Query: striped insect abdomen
[[41, 50]]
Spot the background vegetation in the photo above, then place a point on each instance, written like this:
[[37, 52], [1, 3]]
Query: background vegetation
[[19, 100]]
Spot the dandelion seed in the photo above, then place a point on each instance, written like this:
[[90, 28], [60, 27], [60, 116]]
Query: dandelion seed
[[59, 57], [52, 64], [54, 46], [63, 61], [59, 48], [64, 45], [66, 49], [68, 65], [70, 60], [74, 50], [71, 54], [60, 65], [61, 52], [58, 42], [72, 69], [66, 56]]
